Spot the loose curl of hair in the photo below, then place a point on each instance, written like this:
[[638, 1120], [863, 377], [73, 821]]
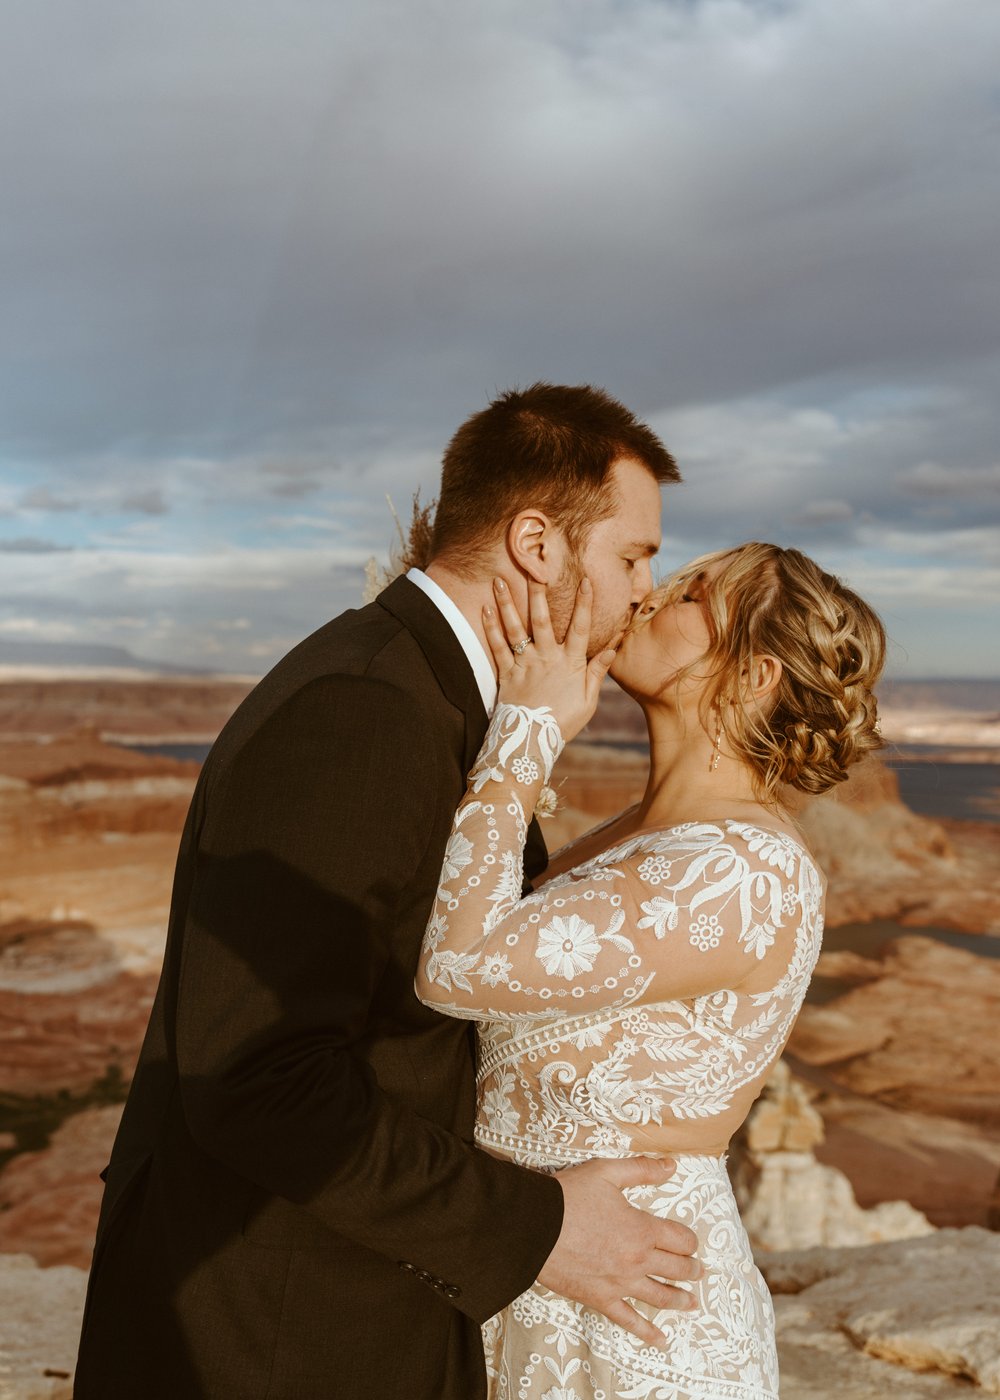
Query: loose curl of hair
[[822, 717]]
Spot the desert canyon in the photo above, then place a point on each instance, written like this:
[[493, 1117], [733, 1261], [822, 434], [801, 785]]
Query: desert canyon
[[867, 1172]]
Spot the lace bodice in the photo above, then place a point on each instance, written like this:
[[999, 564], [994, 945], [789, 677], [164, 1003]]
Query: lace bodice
[[634, 1003]]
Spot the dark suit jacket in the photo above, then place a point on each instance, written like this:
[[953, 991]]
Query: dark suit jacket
[[293, 1207]]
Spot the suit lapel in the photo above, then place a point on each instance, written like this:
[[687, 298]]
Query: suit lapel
[[445, 656], [448, 661]]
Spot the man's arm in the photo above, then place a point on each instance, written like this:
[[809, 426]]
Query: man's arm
[[313, 834]]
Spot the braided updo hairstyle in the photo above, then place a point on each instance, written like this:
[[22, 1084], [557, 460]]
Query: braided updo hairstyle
[[822, 716]]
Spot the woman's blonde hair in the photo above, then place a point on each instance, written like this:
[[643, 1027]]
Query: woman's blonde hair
[[822, 716]]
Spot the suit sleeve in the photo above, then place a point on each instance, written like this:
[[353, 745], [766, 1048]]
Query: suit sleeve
[[313, 835]]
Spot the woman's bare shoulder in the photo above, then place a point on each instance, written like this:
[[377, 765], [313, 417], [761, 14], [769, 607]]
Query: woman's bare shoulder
[[590, 843]]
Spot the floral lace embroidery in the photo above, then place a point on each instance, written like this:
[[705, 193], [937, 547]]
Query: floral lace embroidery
[[632, 1004], [544, 1347], [611, 998], [514, 727]]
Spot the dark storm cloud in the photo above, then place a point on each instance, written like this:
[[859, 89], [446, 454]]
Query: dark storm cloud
[[259, 261], [940, 479], [232, 221]]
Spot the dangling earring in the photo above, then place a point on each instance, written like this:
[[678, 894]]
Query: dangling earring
[[717, 746]]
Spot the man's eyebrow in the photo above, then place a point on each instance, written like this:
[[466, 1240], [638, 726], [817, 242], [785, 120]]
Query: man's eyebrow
[[645, 547]]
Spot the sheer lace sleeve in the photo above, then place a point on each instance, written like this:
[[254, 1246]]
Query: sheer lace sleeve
[[691, 912]]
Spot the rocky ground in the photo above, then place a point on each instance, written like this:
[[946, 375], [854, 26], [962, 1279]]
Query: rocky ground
[[907, 1320], [40, 1312], [917, 1031]]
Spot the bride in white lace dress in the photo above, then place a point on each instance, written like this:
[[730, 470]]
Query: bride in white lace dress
[[636, 1000]]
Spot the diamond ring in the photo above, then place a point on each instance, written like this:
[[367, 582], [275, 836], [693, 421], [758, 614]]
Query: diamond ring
[[521, 646]]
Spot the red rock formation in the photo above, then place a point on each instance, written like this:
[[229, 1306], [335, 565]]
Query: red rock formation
[[72, 1040], [88, 836], [173, 708], [918, 1033], [49, 1200]]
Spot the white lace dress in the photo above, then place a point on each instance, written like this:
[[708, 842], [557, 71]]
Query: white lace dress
[[631, 1005]]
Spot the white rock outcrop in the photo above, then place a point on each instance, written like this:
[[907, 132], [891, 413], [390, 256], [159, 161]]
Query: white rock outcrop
[[787, 1199]]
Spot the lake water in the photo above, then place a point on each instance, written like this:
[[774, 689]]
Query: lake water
[[938, 788], [868, 939]]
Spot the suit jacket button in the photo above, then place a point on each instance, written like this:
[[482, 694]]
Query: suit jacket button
[[452, 1290], [424, 1276], [408, 1268]]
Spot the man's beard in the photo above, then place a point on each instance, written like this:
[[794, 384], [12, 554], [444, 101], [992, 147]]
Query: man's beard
[[562, 595]]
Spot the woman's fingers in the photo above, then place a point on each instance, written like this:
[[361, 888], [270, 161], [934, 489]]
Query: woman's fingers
[[555, 674], [578, 634], [513, 626], [597, 669], [538, 613], [499, 646]]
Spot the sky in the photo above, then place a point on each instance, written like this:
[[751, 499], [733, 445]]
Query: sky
[[260, 258]]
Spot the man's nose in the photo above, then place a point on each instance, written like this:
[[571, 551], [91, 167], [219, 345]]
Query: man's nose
[[642, 581]]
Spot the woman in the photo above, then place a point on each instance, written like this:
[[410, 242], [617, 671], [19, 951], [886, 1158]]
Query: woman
[[635, 1001]]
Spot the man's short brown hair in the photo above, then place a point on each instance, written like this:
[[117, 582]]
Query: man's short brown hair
[[551, 446]]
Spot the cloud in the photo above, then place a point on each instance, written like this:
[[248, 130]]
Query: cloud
[[40, 498], [149, 501], [964, 548], [940, 479], [824, 513], [263, 260], [793, 471], [27, 545], [37, 629], [370, 221], [295, 479]]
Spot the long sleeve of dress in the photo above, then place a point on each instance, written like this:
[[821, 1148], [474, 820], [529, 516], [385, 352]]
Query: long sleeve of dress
[[680, 915]]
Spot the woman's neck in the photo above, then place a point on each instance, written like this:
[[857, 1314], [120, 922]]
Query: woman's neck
[[689, 778]]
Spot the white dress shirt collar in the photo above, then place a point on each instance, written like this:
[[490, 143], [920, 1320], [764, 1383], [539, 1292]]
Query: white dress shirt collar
[[482, 667]]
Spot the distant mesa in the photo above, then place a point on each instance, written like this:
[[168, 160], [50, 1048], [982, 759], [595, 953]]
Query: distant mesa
[[978, 694], [78, 654]]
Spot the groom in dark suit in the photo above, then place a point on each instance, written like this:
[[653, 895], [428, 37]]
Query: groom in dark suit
[[294, 1209]]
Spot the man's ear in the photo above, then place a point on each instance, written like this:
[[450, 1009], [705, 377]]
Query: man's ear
[[535, 546]]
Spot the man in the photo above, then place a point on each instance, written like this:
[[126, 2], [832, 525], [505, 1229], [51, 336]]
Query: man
[[294, 1208]]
